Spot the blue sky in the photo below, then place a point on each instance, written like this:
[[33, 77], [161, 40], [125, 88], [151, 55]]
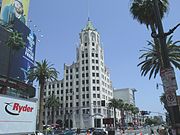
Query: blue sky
[[61, 21]]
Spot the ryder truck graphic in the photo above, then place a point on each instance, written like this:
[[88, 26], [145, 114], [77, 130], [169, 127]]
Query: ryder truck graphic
[[18, 108], [17, 116]]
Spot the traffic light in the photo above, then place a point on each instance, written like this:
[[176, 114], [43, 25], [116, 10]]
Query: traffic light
[[145, 113]]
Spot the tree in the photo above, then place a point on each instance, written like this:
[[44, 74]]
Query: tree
[[15, 42], [114, 103], [143, 12], [157, 9], [121, 108], [42, 72], [53, 103], [152, 60]]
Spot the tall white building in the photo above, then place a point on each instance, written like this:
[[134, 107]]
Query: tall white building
[[86, 87], [126, 94]]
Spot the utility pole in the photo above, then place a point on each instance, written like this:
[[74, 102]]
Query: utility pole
[[167, 73]]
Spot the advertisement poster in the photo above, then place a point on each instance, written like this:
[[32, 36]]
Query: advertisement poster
[[17, 116], [14, 8]]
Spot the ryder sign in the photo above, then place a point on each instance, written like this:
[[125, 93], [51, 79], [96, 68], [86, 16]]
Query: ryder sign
[[17, 116]]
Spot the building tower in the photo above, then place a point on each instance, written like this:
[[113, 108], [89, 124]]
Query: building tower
[[86, 88]]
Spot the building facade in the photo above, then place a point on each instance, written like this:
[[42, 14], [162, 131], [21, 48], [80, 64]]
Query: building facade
[[86, 87], [126, 94]]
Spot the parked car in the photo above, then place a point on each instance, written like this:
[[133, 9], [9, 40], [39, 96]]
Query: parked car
[[66, 132], [99, 131]]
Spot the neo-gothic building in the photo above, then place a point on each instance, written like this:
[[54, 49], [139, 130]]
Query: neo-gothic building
[[86, 88]]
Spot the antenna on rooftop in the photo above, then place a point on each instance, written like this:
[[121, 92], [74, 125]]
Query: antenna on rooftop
[[88, 10]]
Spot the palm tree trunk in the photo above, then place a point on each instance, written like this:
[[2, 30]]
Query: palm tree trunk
[[52, 114], [115, 117], [41, 109]]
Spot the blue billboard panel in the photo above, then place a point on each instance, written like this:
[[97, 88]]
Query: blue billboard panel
[[17, 62]]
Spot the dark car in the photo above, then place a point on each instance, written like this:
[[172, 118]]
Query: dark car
[[66, 132], [99, 132]]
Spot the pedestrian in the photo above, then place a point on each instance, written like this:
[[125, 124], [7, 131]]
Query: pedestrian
[[170, 131], [152, 132]]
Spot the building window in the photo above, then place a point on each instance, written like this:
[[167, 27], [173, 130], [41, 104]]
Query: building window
[[70, 83], [70, 76], [97, 81], [86, 54], [70, 70], [87, 88], [97, 68], [66, 104], [87, 81], [83, 103], [57, 91], [82, 61], [94, 95], [97, 61], [71, 104], [77, 89], [83, 96], [87, 95], [92, 60], [77, 83], [67, 71], [61, 91], [98, 95], [96, 55], [82, 74], [76, 69], [87, 74], [77, 96], [82, 55], [61, 85], [82, 68], [94, 88], [66, 84], [97, 74], [77, 103], [99, 110], [77, 76], [53, 86], [86, 67], [61, 98], [70, 97], [83, 88], [94, 81], [58, 85], [93, 74], [83, 82], [92, 54], [86, 61], [49, 86], [93, 67]]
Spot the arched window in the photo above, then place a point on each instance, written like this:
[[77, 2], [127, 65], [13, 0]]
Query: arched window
[[93, 36]]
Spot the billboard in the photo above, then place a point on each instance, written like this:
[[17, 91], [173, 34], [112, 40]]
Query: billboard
[[14, 9], [17, 116], [20, 60]]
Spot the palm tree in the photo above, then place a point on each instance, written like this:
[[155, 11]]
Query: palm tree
[[114, 103], [15, 42], [42, 72], [53, 103], [143, 12], [126, 109], [152, 61], [121, 108]]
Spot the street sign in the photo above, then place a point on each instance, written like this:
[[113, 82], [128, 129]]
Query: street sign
[[171, 98], [168, 79]]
